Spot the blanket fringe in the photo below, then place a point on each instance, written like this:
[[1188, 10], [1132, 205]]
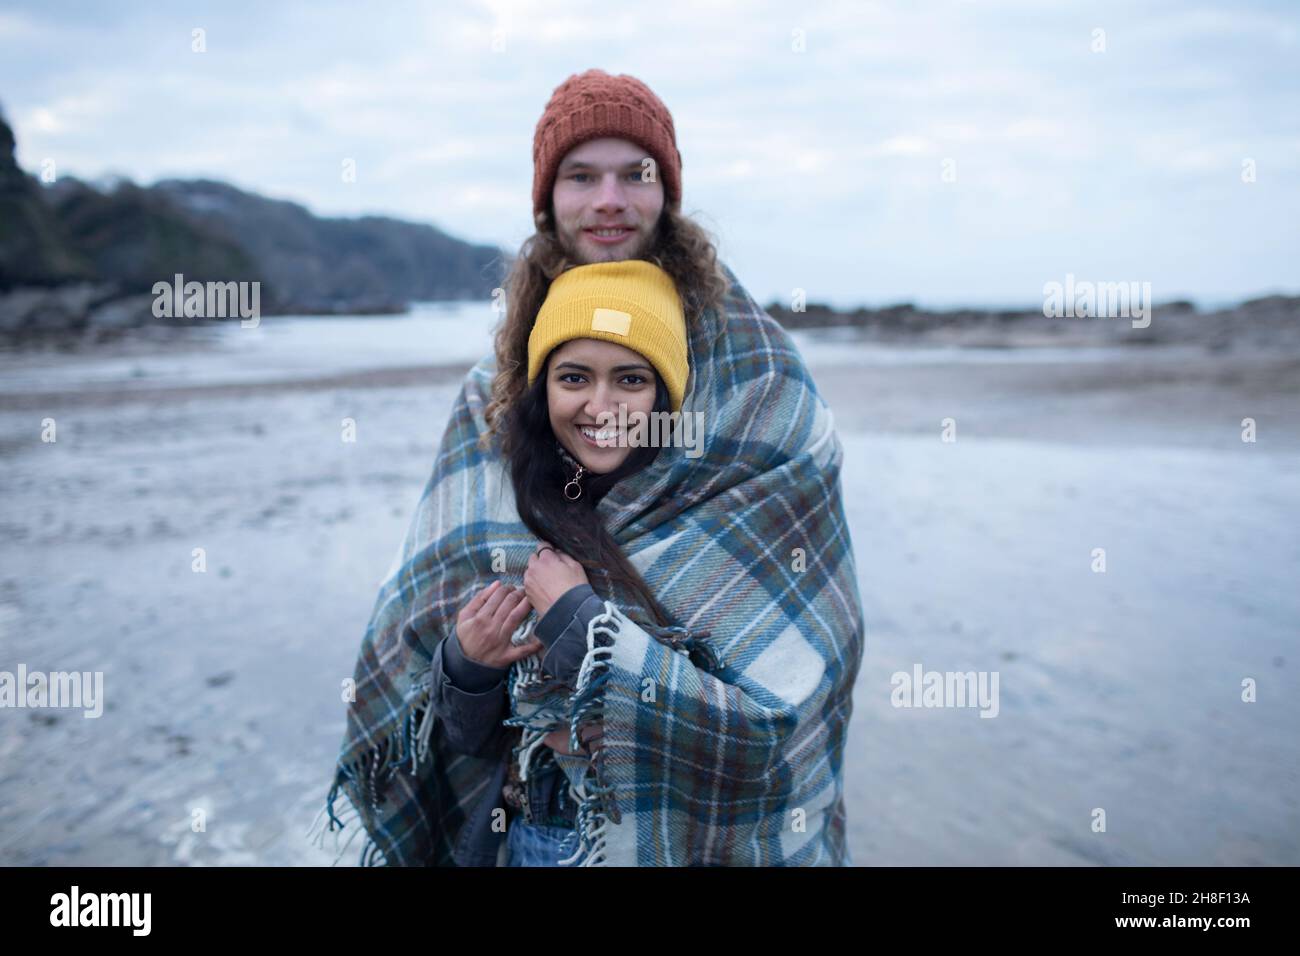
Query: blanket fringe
[[595, 811], [369, 774], [326, 821], [419, 745]]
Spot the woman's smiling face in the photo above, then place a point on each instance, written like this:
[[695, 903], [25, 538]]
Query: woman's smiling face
[[586, 377]]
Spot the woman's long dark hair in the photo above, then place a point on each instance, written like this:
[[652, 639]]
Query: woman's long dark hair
[[539, 475]]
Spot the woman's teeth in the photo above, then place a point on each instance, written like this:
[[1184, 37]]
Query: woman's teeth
[[602, 435]]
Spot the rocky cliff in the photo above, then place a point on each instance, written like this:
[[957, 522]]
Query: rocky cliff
[[76, 257]]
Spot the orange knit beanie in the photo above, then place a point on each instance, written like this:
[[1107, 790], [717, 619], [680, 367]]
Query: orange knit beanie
[[594, 104]]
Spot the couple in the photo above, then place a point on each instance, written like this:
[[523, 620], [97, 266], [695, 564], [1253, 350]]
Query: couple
[[589, 653]]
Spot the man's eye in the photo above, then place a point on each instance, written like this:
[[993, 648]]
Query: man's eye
[[635, 176]]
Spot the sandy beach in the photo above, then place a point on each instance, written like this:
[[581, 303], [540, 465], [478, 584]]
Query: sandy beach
[[1119, 690]]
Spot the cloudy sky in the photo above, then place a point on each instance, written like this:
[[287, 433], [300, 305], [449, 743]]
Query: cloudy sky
[[943, 153]]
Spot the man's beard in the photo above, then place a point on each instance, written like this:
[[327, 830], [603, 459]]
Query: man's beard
[[634, 249]]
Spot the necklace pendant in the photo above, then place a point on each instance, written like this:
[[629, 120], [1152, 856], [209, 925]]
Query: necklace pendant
[[572, 490]]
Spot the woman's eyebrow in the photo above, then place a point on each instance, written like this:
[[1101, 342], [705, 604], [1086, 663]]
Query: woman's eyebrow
[[616, 368]]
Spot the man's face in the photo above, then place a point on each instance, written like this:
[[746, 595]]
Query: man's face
[[599, 186]]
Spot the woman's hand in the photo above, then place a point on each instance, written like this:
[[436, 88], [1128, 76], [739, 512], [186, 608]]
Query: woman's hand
[[549, 575], [486, 623]]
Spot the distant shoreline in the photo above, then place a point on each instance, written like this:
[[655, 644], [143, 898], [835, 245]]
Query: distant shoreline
[[1271, 323]]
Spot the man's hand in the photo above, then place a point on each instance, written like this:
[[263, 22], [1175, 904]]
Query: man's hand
[[485, 624], [549, 575], [558, 740]]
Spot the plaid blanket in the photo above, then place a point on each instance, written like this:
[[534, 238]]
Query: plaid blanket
[[722, 736]]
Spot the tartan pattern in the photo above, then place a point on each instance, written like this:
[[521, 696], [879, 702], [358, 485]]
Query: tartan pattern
[[725, 751]]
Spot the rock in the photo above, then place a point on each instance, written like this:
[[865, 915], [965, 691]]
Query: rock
[[36, 310], [123, 313]]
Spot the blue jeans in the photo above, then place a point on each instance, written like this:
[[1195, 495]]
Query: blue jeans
[[532, 844]]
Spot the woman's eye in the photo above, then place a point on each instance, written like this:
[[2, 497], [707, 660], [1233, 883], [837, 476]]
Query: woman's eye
[[571, 375], [634, 379]]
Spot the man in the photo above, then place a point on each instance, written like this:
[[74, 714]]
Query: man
[[720, 752]]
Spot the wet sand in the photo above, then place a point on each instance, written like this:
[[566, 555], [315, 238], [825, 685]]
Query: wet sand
[[1119, 690]]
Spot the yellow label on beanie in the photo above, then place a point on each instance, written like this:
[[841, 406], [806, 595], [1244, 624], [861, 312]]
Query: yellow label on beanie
[[611, 320]]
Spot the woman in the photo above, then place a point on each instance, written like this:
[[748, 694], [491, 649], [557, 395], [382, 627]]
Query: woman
[[608, 345]]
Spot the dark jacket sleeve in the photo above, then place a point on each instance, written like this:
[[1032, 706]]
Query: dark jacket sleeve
[[470, 699], [563, 629]]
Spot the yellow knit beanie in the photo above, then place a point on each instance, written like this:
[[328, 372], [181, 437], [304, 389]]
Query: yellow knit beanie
[[632, 302]]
